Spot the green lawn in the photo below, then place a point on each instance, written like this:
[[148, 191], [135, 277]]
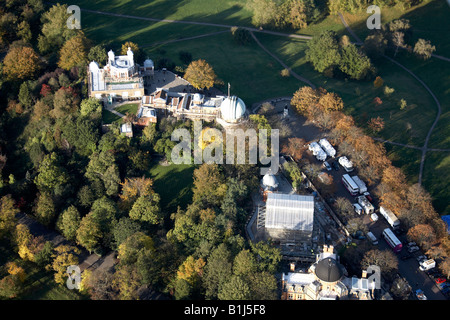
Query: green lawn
[[108, 117], [173, 183], [131, 108]]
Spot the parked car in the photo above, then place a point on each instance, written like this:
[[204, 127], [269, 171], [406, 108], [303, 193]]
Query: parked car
[[327, 165], [406, 257], [411, 244], [421, 258], [440, 280], [413, 249], [335, 165], [368, 196], [420, 295]]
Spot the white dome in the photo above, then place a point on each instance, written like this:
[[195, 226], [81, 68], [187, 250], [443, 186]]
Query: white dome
[[232, 108], [269, 180]]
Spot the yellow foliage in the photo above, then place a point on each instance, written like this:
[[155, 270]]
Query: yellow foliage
[[14, 269], [191, 269]]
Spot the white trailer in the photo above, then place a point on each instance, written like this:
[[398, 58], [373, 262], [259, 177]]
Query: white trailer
[[346, 164], [427, 265], [361, 185], [365, 204], [317, 151], [327, 147], [390, 217]]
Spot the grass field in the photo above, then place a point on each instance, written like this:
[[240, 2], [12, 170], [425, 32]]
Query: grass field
[[173, 183], [254, 75], [131, 108], [108, 117]]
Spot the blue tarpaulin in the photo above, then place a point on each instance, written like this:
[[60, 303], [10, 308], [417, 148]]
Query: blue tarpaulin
[[447, 221]]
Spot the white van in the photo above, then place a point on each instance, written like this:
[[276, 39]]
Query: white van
[[372, 238]]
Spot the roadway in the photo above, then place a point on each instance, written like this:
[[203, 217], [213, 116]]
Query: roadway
[[408, 269]]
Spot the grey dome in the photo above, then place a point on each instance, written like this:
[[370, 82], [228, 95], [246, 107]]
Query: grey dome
[[328, 270]]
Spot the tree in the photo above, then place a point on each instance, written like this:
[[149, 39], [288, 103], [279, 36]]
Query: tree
[[323, 51], [89, 233], [355, 63], [375, 45], [51, 176], [385, 259], [8, 211], [65, 255], [218, 271], [102, 167], [403, 104], [11, 287], [45, 209], [65, 102], [54, 29], [134, 48], [304, 99], [98, 54], [191, 270], [344, 207], [124, 228], [423, 235], [376, 124], [295, 148], [73, 53], [263, 286], [209, 184], [423, 49], [91, 107], [200, 74], [264, 12], [133, 246], [25, 94], [69, 222], [21, 63], [378, 82], [234, 289], [244, 264], [146, 208], [240, 35], [268, 256], [127, 281]]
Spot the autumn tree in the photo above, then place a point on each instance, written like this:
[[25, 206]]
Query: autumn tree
[[378, 82], [423, 49], [295, 148], [8, 211], [423, 235], [65, 255], [65, 102], [385, 259], [132, 189], [376, 124], [209, 184], [89, 233], [73, 53], [21, 63], [200, 74]]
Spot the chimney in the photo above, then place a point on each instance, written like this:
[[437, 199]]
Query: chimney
[[292, 266], [330, 248], [364, 274]]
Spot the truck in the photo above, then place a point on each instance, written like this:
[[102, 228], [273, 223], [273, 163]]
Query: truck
[[365, 204], [346, 164], [427, 264], [361, 185], [317, 151], [327, 147], [390, 217]]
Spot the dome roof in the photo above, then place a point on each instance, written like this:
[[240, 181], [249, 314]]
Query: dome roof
[[269, 180], [148, 63], [232, 108], [328, 270]]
